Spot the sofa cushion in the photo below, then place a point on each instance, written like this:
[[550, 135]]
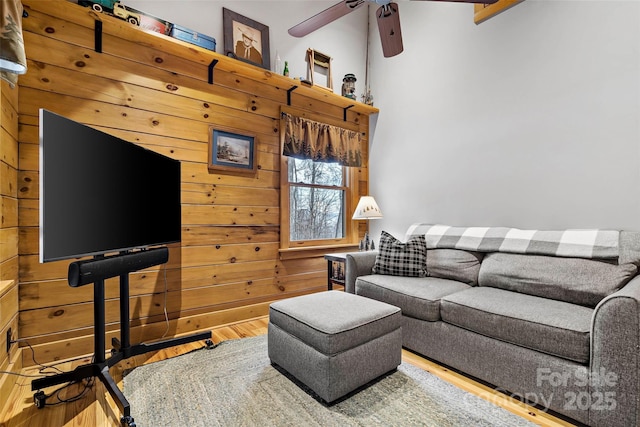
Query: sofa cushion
[[454, 264], [417, 297], [574, 280], [396, 258], [549, 326]]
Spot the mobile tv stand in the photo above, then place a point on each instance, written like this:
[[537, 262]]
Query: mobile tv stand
[[96, 271]]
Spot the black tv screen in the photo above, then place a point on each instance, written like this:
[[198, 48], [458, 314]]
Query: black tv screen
[[102, 194]]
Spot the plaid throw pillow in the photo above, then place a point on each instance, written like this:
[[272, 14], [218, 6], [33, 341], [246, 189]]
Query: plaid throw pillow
[[401, 259]]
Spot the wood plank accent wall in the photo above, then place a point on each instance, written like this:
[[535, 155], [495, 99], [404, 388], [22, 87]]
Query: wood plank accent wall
[[153, 90], [9, 182], [9, 361]]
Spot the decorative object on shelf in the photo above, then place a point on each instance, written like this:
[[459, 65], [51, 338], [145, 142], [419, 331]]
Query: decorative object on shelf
[[129, 14], [322, 61], [367, 98], [13, 60], [278, 64], [246, 38], [349, 86], [231, 151], [148, 22], [113, 8], [286, 69], [187, 35], [367, 209]]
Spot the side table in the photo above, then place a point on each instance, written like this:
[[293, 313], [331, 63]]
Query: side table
[[336, 269]]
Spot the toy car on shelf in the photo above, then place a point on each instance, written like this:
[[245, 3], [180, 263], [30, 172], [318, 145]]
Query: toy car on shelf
[[113, 7]]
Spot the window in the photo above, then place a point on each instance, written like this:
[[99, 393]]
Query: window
[[320, 175], [316, 200]]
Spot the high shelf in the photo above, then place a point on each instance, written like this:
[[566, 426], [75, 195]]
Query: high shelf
[[107, 27]]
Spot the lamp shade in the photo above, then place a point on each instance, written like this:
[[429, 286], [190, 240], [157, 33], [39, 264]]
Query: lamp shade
[[367, 209]]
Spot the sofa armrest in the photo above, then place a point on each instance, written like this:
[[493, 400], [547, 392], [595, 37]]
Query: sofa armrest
[[615, 358], [357, 264]]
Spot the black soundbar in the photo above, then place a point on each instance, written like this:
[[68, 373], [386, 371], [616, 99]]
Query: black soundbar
[[91, 270]]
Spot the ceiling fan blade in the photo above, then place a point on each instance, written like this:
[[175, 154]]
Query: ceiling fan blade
[[389, 27], [326, 16], [469, 1]]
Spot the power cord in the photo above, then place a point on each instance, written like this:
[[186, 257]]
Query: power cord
[[166, 291], [23, 375], [42, 367], [40, 397]]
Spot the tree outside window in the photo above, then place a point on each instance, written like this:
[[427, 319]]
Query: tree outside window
[[317, 196]]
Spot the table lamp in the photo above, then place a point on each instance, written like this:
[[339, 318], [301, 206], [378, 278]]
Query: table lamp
[[367, 209]]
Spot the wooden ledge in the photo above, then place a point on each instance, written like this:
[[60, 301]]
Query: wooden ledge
[[315, 251], [6, 285]]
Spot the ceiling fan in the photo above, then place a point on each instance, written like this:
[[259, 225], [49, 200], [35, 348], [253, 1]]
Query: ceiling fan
[[387, 16]]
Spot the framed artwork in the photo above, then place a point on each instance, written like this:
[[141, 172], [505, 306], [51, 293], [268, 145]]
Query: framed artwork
[[246, 39], [230, 151]]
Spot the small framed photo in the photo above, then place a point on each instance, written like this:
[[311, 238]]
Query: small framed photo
[[246, 39], [230, 151]]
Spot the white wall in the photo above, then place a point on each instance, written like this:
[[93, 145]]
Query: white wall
[[529, 120], [344, 40]]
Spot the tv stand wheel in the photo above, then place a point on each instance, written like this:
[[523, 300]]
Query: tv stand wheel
[[40, 399], [127, 421]]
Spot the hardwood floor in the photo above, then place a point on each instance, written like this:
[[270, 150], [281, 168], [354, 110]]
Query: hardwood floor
[[96, 408]]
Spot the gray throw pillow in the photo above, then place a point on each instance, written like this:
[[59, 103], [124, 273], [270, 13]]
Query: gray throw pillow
[[396, 258], [578, 281], [454, 264]]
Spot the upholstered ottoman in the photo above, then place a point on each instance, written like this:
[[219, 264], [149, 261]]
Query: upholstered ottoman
[[334, 342]]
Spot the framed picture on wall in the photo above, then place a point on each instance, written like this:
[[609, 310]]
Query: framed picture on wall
[[231, 151], [245, 39]]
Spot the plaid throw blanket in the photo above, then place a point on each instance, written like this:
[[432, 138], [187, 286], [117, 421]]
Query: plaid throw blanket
[[565, 243]]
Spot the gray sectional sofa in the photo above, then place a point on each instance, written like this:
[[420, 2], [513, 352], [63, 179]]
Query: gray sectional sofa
[[551, 317]]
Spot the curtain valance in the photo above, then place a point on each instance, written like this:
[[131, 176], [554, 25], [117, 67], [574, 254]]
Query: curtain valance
[[320, 142]]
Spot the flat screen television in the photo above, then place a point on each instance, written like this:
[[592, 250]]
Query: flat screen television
[[101, 194]]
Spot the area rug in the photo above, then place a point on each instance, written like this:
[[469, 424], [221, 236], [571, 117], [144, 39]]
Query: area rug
[[234, 384]]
